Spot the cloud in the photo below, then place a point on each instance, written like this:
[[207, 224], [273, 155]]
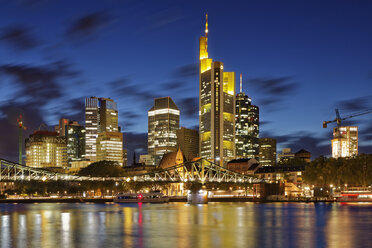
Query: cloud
[[264, 123], [165, 17], [88, 25], [274, 90], [273, 86], [185, 71], [174, 85], [39, 83], [189, 106], [124, 87], [18, 37], [355, 104]]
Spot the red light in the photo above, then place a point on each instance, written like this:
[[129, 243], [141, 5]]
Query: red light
[[140, 197]]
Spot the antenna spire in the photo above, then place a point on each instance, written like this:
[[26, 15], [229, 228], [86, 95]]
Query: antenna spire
[[206, 25], [241, 83]]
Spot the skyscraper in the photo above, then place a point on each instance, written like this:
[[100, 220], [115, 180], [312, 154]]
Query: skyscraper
[[110, 147], [91, 127], [188, 141], [267, 153], [46, 149], [101, 115], [163, 122], [61, 128], [246, 126], [345, 142], [75, 138], [216, 107]]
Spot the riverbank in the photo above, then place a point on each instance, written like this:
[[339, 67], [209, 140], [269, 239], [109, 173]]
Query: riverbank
[[175, 199]]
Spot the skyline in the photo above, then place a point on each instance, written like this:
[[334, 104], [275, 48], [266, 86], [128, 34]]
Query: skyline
[[79, 62]]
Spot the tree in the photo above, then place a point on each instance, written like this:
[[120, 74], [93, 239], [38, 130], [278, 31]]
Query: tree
[[103, 169], [354, 171]]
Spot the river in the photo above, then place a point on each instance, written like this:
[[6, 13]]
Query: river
[[182, 225]]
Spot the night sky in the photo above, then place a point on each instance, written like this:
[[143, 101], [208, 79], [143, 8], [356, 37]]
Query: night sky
[[300, 60]]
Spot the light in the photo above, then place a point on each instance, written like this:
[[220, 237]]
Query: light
[[43, 178], [140, 196]]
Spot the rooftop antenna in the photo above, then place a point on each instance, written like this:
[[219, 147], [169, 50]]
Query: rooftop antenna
[[241, 83], [206, 25]]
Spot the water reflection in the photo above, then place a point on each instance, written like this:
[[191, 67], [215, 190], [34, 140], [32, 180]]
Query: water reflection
[[185, 226]]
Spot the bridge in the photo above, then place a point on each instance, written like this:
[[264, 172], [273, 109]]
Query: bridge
[[202, 171]]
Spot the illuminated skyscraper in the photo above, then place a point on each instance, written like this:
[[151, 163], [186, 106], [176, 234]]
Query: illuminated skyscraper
[[110, 147], [101, 115], [163, 123], [91, 127], [246, 126], [46, 149], [345, 142], [267, 150], [75, 138], [216, 107]]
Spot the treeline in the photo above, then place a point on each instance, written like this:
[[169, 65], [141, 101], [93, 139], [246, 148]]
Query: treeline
[[355, 171]]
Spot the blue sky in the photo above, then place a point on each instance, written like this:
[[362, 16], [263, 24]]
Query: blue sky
[[300, 60]]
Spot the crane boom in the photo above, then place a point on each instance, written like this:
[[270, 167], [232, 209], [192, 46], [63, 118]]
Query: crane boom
[[338, 118]]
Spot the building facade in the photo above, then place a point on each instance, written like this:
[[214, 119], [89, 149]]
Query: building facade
[[110, 147], [101, 115], [303, 155], [267, 151], [246, 126], [91, 127], [285, 155], [216, 107], [163, 123], [345, 142], [75, 138], [188, 142], [61, 128], [46, 149]]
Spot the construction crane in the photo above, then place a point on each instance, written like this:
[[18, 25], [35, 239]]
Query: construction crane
[[338, 118], [21, 127]]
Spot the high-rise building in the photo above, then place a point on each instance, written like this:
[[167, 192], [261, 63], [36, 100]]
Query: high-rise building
[[246, 126], [188, 141], [285, 155], [110, 147], [101, 115], [163, 123], [108, 115], [46, 149], [61, 128], [216, 107], [91, 127], [267, 154], [75, 137], [345, 142]]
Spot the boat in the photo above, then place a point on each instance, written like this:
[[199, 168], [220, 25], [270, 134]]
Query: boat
[[355, 195], [152, 197]]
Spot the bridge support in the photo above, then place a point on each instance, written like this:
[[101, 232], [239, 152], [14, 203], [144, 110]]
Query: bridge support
[[197, 197]]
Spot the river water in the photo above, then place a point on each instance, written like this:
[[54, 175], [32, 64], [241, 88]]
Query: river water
[[183, 225]]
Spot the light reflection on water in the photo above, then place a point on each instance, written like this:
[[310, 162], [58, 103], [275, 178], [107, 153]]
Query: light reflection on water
[[181, 225]]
